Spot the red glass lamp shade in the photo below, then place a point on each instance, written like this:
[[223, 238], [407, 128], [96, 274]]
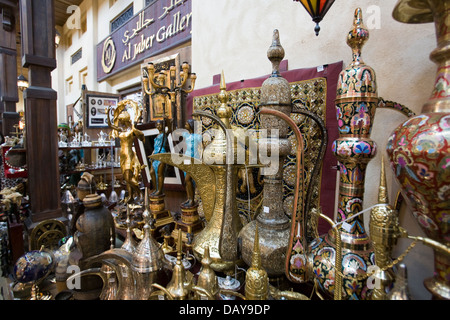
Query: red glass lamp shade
[[317, 10]]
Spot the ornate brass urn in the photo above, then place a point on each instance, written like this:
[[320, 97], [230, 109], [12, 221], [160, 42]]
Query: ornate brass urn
[[273, 223]]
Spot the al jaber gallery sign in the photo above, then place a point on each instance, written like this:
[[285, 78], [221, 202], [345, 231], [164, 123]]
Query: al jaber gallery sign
[[160, 26]]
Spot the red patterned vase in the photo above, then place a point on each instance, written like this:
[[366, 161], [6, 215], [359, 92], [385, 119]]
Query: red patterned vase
[[419, 149]]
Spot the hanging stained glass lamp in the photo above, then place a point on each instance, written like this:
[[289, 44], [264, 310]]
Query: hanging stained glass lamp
[[317, 9]]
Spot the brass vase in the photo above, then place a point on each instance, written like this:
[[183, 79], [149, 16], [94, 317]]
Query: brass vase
[[419, 149], [94, 229]]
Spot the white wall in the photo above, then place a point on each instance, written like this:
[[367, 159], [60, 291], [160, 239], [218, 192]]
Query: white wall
[[234, 36]]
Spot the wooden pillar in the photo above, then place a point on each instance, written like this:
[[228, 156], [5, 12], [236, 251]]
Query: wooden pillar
[[38, 55], [8, 66]]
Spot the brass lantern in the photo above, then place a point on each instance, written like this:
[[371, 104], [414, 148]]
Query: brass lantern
[[22, 82], [317, 9]]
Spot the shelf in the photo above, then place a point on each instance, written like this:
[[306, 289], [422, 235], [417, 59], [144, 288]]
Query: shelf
[[88, 147], [106, 169]]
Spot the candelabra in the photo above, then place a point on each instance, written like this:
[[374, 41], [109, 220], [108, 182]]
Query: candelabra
[[166, 84]]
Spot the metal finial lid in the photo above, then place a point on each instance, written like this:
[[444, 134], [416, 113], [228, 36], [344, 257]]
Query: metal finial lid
[[275, 89], [146, 213], [92, 200], [275, 53], [229, 283], [256, 278], [358, 36], [357, 80], [224, 112], [129, 243]]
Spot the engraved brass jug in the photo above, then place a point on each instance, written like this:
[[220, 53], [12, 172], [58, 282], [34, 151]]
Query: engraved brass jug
[[216, 180]]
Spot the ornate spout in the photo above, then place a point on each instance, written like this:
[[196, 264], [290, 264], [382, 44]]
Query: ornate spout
[[119, 260]]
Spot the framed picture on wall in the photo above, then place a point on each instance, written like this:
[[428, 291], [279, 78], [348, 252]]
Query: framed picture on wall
[[174, 179], [96, 106]]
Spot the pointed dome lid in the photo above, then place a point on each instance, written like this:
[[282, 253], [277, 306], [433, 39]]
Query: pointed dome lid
[[129, 244], [256, 257], [358, 79], [224, 111], [357, 37], [275, 89], [148, 256]]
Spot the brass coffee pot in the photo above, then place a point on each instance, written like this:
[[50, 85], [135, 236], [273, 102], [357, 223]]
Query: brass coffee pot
[[180, 285], [207, 287], [216, 180]]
